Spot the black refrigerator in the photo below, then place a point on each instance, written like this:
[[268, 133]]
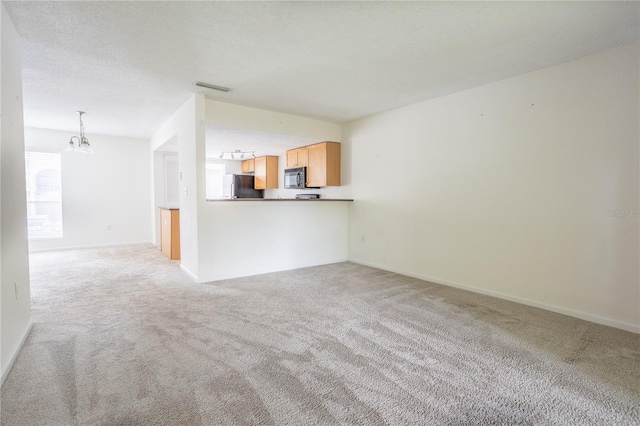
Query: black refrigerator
[[240, 186]]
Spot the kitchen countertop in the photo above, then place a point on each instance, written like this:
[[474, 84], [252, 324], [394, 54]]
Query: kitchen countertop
[[226, 200]]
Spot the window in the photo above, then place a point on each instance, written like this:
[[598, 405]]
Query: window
[[215, 176], [44, 195]]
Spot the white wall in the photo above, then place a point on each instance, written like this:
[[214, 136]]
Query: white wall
[[208, 230], [504, 188], [159, 190], [157, 167], [231, 167], [109, 189], [241, 238], [248, 118], [15, 317], [248, 238], [187, 126]]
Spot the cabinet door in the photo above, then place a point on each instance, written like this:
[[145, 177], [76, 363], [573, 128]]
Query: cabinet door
[[332, 174], [165, 232], [260, 175], [302, 157], [272, 172], [266, 172], [317, 165], [170, 233], [175, 234], [248, 166], [297, 158], [323, 168], [292, 158]]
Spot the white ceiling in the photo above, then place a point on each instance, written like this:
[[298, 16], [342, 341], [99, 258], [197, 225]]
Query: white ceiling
[[130, 65]]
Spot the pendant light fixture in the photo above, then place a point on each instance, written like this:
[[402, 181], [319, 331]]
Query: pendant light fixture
[[82, 141]]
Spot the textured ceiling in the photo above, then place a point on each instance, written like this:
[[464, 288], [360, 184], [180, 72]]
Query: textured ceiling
[[130, 65], [223, 139]]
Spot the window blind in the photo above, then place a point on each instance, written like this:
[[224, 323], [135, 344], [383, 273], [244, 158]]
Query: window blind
[[44, 194]]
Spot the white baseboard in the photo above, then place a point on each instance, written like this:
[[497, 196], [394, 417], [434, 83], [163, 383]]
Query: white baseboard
[[190, 274], [232, 275], [576, 314], [15, 352], [130, 243]]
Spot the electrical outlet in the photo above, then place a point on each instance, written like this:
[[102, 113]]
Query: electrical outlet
[[108, 227], [15, 287]]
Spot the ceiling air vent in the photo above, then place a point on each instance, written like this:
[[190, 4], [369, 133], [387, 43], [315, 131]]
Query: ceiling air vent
[[211, 86]]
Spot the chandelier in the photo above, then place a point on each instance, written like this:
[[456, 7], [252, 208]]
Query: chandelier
[[82, 141], [237, 155]]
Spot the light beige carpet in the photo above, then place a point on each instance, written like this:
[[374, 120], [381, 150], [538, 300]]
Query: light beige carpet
[[122, 337]]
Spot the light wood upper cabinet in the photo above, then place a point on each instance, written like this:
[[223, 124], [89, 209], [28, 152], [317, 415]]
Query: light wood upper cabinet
[[292, 158], [323, 164], [248, 166], [297, 157], [266, 172]]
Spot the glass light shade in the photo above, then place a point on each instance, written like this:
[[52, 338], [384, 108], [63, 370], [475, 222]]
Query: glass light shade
[[85, 147], [71, 147]]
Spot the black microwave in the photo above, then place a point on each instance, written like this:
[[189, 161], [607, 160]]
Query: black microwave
[[295, 178]]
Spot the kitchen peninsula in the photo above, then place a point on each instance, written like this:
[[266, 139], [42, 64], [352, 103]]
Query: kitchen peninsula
[[234, 238], [235, 200], [242, 237]]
